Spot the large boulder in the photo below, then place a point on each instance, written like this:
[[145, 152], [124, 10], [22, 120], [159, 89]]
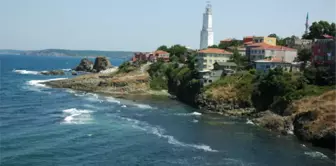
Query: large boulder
[[53, 72], [85, 65], [101, 63]]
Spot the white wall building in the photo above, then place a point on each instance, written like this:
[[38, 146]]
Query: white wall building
[[207, 35], [207, 57]]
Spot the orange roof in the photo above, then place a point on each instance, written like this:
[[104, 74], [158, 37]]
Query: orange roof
[[160, 52], [214, 51], [226, 40], [265, 46]]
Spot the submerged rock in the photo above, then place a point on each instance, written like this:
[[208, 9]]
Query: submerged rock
[[101, 63], [53, 72], [85, 65]]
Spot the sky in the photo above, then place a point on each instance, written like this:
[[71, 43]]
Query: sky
[[144, 25]]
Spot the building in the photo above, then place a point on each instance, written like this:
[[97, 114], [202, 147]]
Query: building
[[159, 54], [241, 50], [226, 41], [259, 39], [260, 51], [323, 51], [298, 43], [140, 56], [264, 39], [225, 65], [208, 77], [248, 40], [266, 64], [207, 57], [207, 36]]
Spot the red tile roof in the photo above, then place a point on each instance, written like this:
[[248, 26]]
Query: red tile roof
[[265, 46], [214, 51], [159, 52]]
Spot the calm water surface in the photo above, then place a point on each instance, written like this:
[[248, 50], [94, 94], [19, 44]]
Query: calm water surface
[[45, 126]]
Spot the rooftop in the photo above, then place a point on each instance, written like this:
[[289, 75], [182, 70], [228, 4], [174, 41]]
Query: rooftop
[[160, 52], [265, 46], [214, 51]]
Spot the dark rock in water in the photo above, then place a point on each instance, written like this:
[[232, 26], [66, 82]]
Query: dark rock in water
[[85, 65], [74, 73], [101, 63], [53, 72]]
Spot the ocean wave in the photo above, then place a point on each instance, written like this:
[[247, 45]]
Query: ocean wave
[[112, 100], [159, 132], [248, 121], [77, 116], [27, 72], [66, 69], [316, 154], [189, 114], [38, 83], [143, 106]]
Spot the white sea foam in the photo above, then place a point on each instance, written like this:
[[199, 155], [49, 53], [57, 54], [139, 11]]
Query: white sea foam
[[123, 106], [189, 114], [159, 132], [66, 69], [316, 154], [112, 100], [143, 106], [27, 72], [248, 121], [38, 83], [195, 121], [77, 116]]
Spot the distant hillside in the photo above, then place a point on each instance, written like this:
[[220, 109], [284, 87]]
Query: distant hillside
[[84, 53], [12, 52]]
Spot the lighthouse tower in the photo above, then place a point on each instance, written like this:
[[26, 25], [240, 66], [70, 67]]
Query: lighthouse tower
[[207, 36]]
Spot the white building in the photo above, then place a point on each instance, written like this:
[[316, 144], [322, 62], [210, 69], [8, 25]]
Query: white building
[[207, 36], [207, 57], [260, 51]]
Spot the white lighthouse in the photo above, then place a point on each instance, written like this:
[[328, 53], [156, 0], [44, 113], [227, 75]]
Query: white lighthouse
[[207, 36]]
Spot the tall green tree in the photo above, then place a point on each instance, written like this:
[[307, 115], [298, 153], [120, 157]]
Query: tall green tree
[[238, 59], [317, 29], [163, 48], [178, 50]]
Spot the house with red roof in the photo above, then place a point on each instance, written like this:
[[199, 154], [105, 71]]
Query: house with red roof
[[323, 50], [260, 51]]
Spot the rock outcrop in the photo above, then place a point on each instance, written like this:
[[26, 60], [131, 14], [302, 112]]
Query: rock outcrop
[[85, 65], [53, 72], [315, 119], [101, 63], [116, 84]]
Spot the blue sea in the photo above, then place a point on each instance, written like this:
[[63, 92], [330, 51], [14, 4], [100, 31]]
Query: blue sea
[[42, 126]]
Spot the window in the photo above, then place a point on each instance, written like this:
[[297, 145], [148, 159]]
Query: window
[[210, 81], [263, 51], [267, 66]]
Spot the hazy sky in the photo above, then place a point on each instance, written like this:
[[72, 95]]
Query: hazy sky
[[143, 25]]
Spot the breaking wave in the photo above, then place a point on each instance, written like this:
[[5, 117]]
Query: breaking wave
[[39, 83], [159, 132], [316, 154], [143, 106], [189, 114], [77, 116], [27, 72]]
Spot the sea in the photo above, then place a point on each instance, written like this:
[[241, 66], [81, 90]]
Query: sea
[[41, 126]]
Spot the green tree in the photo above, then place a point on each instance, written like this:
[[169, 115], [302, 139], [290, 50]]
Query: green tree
[[317, 29], [279, 41], [304, 55], [275, 85], [178, 50], [163, 48], [213, 46]]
